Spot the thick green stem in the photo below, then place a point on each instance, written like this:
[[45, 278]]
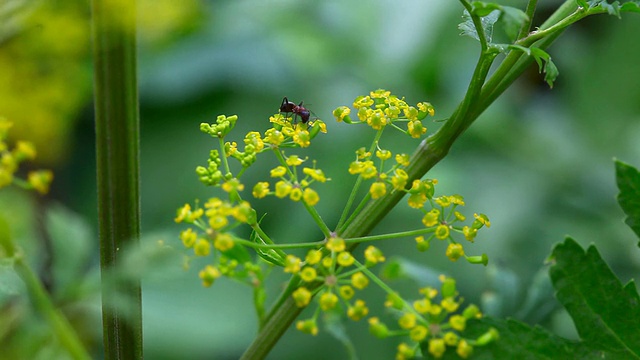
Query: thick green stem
[[117, 152]]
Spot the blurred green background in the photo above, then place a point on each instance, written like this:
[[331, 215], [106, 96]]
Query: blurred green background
[[538, 162]]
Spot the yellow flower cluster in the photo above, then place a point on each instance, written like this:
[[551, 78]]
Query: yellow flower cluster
[[380, 108], [10, 160], [289, 184], [433, 321], [331, 268]]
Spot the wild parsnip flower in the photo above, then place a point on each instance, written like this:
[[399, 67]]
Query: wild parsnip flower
[[359, 281], [292, 264], [328, 301], [373, 255], [261, 189], [208, 275], [308, 326], [377, 328], [358, 310]]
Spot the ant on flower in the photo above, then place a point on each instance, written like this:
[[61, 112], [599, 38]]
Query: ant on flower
[[288, 107]]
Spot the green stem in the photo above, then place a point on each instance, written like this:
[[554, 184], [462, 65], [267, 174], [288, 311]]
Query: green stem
[[278, 246], [316, 217], [362, 239], [530, 11], [117, 154], [40, 298]]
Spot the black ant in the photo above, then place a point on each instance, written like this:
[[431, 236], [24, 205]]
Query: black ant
[[299, 110]]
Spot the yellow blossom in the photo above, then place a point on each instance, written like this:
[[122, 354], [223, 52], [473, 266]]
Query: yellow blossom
[[292, 264], [188, 237], [202, 247], [377, 190], [223, 242], [283, 188], [315, 174], [454, 251], [336, 244], [313, 257], [279, 171], [40, 180], [301, 296], [407, 321], [373, 255], [437, 347], [345, 259], [308, 274], [308, 326], [260, 190], [358, 310], [208, 275], [418, 333], [359, 281], [310, 196], [328, 301]]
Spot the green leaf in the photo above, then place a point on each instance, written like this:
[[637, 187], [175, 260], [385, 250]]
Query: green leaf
[[481, 8], [628, 180], [606, 314], [272, 256], [631, 6], [513, 20], [468, 28], [543, 59], [521, 341]]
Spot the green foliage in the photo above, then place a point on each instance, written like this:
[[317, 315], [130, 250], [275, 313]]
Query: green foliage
[[628, 179], [605, 313]]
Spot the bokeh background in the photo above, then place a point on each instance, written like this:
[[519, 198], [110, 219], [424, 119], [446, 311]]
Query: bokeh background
[[538, 162]]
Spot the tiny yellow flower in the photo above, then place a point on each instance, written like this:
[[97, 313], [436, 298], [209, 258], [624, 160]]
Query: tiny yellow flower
[[341, 113], [437, 347], [454, 251], [412, 113], [368, 169], [345, 259], [328, 301], [232, 184], [253, 138], [302, 296], [40, 180], [279, 171], [292, 264], [356, 167], [24, 150], [202, 247], [431, 218], [358, 310], [449, 304], [310, 196], [218, 221], [469, 233], [442, 231], [313, 257], [296, 194], [373, 255], [379, 94], [422, 306], [458, 322], [422, 244], [403, 159], [394, 301], [294, 160], [283, 188], [315, 174], [273, 137], [383, 154], [405, 352], [443, 201], [416, 129], [336, 244], [464, 350], [378, 189], [377, 119], [208, 275], [346, 292], [327, 262], [308, 326], [359, 281], [260, 190], [302, 138], [418, 333], [188, 237], [308, 274], [378, 329], [417, 200], [399, 179], [450, 338], [482, 219], [429, 292], [223, 242], [407, 321], [457, 199], [459, 216], [362, 102], [426, 107]]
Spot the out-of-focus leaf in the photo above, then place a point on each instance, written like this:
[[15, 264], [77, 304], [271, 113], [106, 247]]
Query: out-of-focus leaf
[[513, 20], [334, 325], [398, 267], [504, 297], [628, 180], [606, 314], [468, 28], [543, 59], [631, 6]]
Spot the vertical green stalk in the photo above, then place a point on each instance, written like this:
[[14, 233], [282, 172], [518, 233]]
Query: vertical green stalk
[[117, 151]]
